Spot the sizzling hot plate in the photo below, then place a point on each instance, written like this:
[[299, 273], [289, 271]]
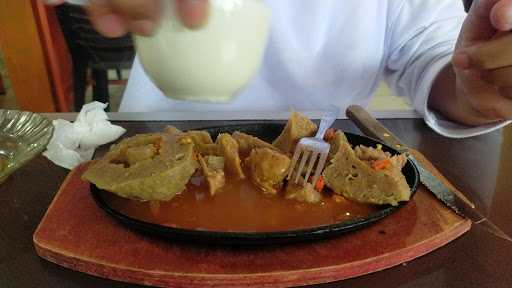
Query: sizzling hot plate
[[266, 132]]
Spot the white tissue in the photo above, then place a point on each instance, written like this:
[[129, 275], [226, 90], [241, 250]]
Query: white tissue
[[74, 143]]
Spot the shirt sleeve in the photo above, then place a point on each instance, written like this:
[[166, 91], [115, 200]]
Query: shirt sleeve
[[421, 37]]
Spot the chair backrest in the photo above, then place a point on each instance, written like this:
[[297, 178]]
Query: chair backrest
[[467, 4], [102, 52]]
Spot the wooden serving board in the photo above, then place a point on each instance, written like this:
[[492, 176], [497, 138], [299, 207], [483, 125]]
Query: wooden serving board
[[77, 234]]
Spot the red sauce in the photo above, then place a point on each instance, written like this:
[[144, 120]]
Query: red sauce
[[239, 207]]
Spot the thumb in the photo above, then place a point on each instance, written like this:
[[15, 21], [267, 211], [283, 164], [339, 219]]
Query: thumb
[[501, 15], [478, 26]]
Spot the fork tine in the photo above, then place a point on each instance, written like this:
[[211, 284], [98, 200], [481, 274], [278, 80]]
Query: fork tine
[[296, 155], [305, 157], [319, 167], [311, 164]]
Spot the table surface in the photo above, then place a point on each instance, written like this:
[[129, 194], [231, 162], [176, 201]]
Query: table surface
[[480, 166]]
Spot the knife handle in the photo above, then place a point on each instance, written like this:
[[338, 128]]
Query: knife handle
[[373, 128]]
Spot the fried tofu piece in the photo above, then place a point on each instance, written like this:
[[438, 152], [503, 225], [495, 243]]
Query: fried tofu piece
[[267, 169], [203, 143], [158, 174], [398, 161], [355, 179], [208, 149], [212, 168], [369, 153], [228, 148], [215, 162], [247, 143], [297, 127], [306, 193], [141, 153], [198, 137], [335, 142], [139, 148], [172, 130]]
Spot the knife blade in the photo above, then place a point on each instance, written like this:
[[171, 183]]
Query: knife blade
[[458, 203]]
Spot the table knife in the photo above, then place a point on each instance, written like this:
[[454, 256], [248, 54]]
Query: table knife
[[460, 205]]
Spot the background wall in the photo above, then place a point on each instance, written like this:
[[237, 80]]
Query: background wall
[[383, 100]]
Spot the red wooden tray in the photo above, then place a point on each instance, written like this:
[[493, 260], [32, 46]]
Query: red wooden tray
[[76, 234]]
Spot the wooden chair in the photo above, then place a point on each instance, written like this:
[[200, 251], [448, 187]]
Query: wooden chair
[[36, 56], [467, 4], [90, 50]]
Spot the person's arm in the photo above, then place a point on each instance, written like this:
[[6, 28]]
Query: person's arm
[[114, 18], [446, 99], [422, 36], [477, 88]]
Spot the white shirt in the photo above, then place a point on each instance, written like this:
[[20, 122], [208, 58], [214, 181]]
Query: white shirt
[[337, 51]]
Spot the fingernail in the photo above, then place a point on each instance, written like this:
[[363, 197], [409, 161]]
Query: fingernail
[[111, 25], [501, 16]]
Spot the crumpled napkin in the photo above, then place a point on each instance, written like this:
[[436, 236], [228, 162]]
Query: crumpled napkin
[[74, 143]]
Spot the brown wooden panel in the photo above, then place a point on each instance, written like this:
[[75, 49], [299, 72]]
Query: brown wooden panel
[[58, 59], [24, 56], [2, 88]]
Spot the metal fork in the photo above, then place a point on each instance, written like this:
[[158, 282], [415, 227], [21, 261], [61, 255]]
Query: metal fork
[[313, 148]]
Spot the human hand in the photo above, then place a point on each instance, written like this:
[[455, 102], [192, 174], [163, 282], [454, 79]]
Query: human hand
[[114, 18], [482, 63]]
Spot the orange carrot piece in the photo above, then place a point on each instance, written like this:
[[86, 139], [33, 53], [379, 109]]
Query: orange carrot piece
[[383, 164], [320, 184], [329, 134]]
